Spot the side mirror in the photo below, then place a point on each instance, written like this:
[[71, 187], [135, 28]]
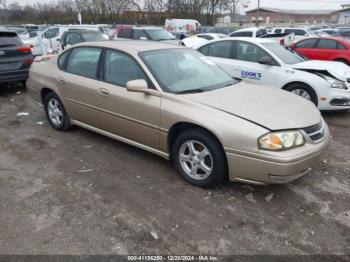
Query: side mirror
[[266, 60], [141, 86], [58, 39], [138, 86]]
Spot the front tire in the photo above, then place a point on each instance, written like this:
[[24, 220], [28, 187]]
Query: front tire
[[56, 113], [304, 91], [199, 158]]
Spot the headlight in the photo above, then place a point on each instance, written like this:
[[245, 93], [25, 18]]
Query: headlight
[[335, 83], [279, 141]]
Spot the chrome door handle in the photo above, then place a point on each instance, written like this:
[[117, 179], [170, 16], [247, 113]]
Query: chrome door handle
[[61, 80], [104, 91]]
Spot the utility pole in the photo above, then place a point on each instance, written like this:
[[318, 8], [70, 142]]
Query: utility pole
[[257, 14]]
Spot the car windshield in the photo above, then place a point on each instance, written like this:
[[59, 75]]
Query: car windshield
[[185, 71], [159, 35], [91, 37], [287, 56]]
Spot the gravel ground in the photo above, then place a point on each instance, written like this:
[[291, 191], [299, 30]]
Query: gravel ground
[[82, 193]]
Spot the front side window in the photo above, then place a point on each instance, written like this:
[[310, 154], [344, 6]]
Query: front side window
[[185, 71], [220, 49], [140, 34], [120, 68], [73, 39], [309, 43], [326, 44], [261, 32], [125, 33], [83, 61], [249, 52], [52, 33]]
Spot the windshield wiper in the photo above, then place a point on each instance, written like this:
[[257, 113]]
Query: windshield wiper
[[191, 91]]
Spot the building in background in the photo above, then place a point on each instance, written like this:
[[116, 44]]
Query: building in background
[[344, 15], [279, 11]]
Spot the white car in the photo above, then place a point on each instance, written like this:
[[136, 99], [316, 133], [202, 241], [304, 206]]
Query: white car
[[265, 62], [250, 32], [200, 39], [51, 36]]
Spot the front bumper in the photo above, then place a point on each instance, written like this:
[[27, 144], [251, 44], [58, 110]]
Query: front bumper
[[334, 99], [262, 169]]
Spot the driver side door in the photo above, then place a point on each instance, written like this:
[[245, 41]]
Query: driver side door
[[130, 115]]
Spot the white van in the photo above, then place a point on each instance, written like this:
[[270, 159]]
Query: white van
[[181, 25]]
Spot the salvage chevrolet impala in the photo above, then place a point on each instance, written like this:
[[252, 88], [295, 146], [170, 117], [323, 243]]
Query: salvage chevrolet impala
[[177, 103]]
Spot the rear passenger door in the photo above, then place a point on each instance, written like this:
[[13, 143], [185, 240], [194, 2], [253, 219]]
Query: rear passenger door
[[77, 81], [326, 49]]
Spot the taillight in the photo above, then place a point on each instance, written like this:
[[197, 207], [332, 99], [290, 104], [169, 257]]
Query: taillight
[[28, 62], [24, 49], [282, 41]]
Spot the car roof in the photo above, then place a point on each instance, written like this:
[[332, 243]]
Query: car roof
[[132, 46], [252, 40], [249, 29], [338, 39]]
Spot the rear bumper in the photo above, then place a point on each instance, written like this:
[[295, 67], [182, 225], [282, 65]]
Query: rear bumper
[[14, 76], [273, 170]]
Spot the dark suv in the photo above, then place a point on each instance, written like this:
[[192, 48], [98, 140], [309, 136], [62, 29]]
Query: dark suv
[[15, 58], [75, 36]]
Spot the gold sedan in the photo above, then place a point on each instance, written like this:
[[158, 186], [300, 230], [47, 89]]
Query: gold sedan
[[176, 103]]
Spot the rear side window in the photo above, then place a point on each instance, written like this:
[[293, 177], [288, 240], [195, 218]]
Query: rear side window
[[120, 68], [61, 61], [83, 61], [327, 44], [242, 34], [125, 33], [218, 49], [278, 31], [9, 39], [309, 43]]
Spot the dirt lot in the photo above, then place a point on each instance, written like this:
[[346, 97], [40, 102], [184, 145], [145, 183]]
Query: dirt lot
[[82, 193]]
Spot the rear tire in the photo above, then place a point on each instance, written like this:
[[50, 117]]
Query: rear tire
[[56, 113], [199, 158], [304, 91]]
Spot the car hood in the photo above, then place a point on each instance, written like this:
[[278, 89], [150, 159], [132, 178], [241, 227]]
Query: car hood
[[269, 107], [337, 69]]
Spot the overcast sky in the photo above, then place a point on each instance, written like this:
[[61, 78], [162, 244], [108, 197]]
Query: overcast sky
[[23, 2]]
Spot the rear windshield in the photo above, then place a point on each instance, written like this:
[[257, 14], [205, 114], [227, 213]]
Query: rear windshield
[[9, 39]]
